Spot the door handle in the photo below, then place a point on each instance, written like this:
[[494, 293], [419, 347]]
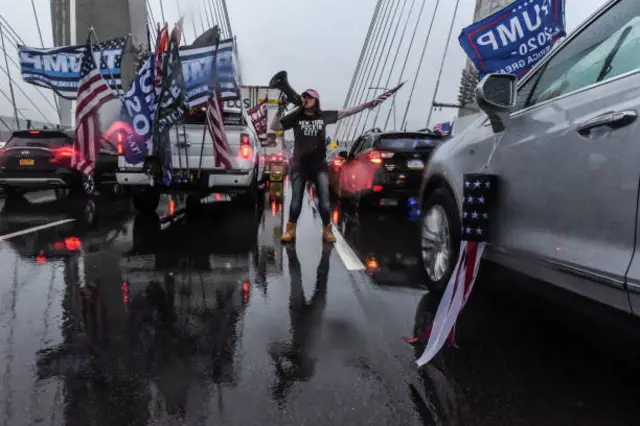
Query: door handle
[[613, 120]]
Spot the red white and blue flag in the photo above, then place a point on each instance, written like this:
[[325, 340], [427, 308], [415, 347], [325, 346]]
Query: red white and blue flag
[[479, 195], [93, 93], [386, 95], [443, 128]]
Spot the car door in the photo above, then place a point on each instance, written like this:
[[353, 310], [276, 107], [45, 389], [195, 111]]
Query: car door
[[569, 161], [349, 166]]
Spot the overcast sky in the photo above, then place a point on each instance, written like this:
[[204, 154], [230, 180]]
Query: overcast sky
[[317, 42]]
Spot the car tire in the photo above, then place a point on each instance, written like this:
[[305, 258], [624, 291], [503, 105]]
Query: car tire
[[439, 235], [193, 204], [146, 200], [250, 200]]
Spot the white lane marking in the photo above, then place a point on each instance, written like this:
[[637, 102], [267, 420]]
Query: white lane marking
[[35, 229], [351, 261]]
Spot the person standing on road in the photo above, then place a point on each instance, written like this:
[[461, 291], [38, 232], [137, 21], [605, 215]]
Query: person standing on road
[[309, 124]]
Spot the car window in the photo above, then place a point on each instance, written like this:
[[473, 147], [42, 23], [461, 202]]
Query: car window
[[607, 47], [356, 146]]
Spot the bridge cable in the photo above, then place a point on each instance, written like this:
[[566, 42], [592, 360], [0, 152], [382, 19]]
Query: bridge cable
[[415, 79], [365, 45], [217, 20], [384, 66], [378, 55], [35, 14], [162, 11], [150, 12], [214, 18], [8, 74], [359, 74], [201, 20], [367, 64], [406, 58], [225, 13], [444, 57], [393, 65], [193, 22], [17, 65], [8, 98], [184, 36], [13, 96], [207, 13], [223, 23]]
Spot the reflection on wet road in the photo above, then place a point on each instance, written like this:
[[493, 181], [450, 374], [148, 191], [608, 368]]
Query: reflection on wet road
[[117, 319]]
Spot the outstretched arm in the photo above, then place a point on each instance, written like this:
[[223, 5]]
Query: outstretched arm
[[344, 113]]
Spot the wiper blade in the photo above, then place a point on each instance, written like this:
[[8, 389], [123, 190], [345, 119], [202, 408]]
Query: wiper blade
[[606, 68]]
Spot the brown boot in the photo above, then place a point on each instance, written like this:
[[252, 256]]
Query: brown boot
[[289, 233], [327, 234]]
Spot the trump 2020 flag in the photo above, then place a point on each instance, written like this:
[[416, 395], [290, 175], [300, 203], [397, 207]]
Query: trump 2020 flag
[[479, 197], [138, 111], [515, 38]]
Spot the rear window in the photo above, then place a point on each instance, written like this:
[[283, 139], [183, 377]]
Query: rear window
[[229, 118], [405, 143], [42, 139]]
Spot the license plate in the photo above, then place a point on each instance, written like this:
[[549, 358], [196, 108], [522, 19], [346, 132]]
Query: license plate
[[27, 162], [415, 164]]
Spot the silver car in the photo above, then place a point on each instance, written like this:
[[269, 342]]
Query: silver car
[[566, 148]]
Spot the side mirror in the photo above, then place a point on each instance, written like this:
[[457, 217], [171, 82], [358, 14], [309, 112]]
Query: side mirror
[[496, 96], [343, 154]]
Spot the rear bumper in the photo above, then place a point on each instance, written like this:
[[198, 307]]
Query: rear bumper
[[35, 181], [211, 181]]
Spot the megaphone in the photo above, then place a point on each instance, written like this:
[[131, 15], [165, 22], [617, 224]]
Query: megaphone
[[279, 81]]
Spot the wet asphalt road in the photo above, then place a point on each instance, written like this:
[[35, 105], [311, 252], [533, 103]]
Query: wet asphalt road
[[114, 319]]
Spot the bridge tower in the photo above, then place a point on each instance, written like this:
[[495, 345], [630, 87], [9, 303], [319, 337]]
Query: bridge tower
[[71, 20]]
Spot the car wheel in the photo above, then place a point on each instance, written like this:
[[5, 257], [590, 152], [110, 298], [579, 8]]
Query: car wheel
[[88, 185], [250, 199], [439, 238], [193, 203], [146, 200]]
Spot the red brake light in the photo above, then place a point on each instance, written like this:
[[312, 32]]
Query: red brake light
[[34, 132], [377, 156], [73, 244], [125, 292], [245, 152], [120, 137], [244, 139], [377, 188], [61, 154], [338, 162], [120, 149], [245, 292]]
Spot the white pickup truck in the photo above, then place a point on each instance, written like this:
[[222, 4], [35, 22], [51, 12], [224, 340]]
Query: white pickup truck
[[194, 167]]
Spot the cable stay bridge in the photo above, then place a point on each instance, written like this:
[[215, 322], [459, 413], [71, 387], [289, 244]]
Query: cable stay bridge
[[405, 42]]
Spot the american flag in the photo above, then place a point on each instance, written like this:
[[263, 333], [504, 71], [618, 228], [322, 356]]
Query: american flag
[[215, 123], [93, 93], [162, 45], [443, 128], [386, 95], [479, 196]]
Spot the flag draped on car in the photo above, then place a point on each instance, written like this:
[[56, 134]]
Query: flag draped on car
[[215, 123], [479, 196], [93, 93], [171, 106]]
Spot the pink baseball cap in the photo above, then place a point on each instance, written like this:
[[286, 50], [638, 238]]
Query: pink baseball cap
[[311, 93]]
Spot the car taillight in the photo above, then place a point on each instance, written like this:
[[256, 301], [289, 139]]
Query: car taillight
[[120, 149], [244, 139], [245, 152], [338, 162], [34, 132], [245, 292], [61, 154], [377, 156]]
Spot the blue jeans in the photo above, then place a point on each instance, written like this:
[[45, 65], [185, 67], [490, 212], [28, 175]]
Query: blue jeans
[[299, 175]]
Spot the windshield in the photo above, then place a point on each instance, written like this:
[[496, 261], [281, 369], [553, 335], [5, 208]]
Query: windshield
[[405, 143], [229, 117], [39, 140]]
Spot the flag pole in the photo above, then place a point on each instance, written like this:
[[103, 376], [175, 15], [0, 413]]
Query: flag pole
[[92, 31], [444, 57], [214, 70], [6, 61]]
